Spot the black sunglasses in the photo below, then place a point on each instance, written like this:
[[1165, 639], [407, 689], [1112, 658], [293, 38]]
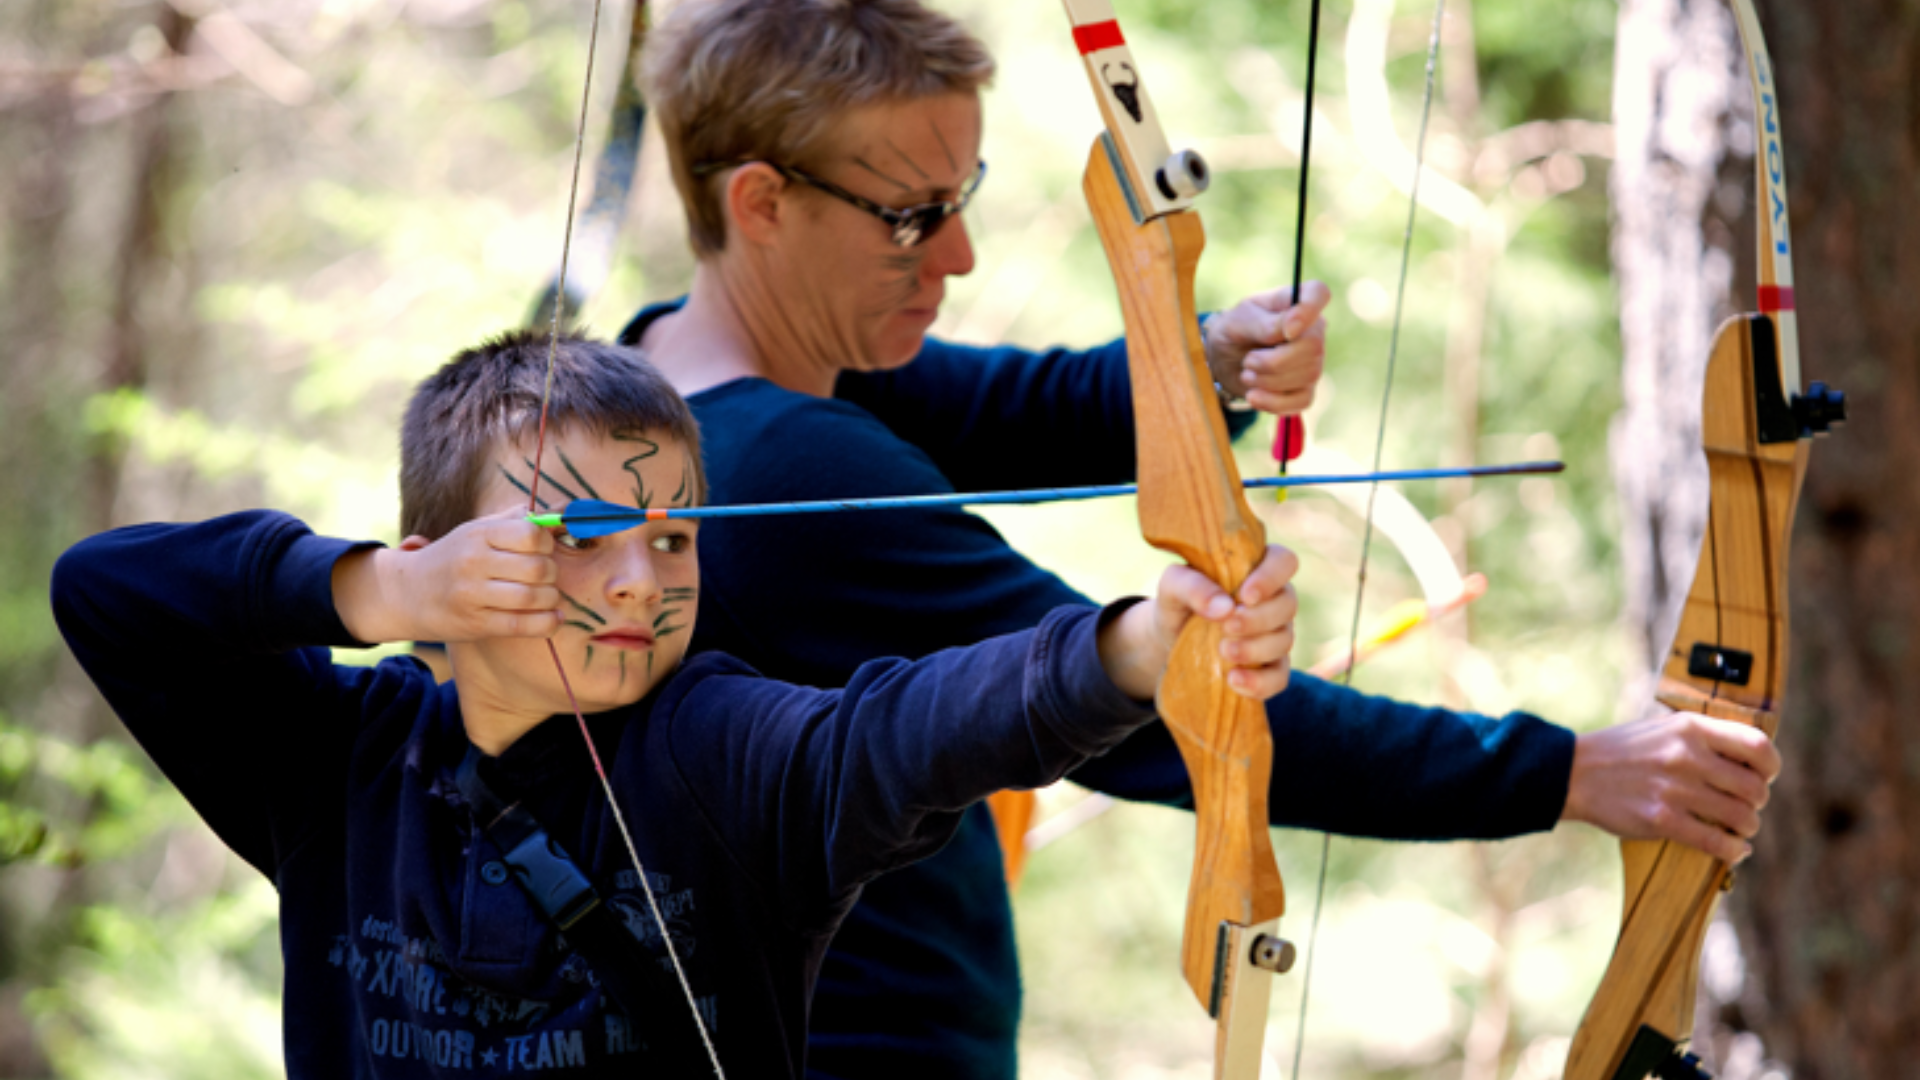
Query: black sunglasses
[[911, 225]]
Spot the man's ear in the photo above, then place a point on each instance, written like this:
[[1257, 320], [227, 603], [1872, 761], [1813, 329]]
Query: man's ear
[[755, 198]]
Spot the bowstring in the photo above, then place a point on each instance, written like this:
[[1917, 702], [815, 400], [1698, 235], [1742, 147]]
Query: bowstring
[[533, 504], [1373, 490]]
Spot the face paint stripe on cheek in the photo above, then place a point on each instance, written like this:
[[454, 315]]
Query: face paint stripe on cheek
[[583, 609]]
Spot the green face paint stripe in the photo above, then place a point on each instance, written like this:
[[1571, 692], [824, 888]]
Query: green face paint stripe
[[524, 489], [547, 478], [639, 440], [580, 626], [575, 473], [589, 662], [639, 482], [584, 609]]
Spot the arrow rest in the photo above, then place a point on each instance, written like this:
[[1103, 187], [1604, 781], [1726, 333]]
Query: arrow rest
[[1783, 419], [1817, 410]]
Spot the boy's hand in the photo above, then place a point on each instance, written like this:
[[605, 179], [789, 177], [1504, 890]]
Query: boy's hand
[[1270, 350], [1257, 621], [1675, 776], [490, 578]]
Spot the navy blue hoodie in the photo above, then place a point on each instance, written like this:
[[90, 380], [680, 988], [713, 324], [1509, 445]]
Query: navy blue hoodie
[[759, 809]]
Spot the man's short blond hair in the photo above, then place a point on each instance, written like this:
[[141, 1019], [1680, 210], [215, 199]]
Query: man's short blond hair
[[734, 81]]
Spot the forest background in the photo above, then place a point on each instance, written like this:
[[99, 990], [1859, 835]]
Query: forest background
[[237, 234]]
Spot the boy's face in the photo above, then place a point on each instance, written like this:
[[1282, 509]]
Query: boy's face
[[627, 599]]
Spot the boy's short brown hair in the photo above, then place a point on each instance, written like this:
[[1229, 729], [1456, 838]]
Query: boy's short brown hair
[[765, 80], [491, 394]]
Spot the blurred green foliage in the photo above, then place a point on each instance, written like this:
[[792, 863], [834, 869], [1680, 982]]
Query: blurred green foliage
[[323, 248]]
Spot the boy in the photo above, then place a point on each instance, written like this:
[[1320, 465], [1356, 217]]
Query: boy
[[419, 834]]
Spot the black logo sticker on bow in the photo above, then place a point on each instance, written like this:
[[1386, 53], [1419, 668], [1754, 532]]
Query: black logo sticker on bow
[[1127, 92]]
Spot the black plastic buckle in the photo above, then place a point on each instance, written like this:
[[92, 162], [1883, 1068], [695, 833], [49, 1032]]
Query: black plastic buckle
[[551, 879]]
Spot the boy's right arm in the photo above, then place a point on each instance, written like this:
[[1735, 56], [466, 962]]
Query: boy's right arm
[[205, 640], [492, 577]]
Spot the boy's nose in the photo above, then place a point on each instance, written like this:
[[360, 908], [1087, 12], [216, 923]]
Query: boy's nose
[[633, 577]]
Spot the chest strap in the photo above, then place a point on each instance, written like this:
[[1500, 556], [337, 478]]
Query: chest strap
[[631, 975]]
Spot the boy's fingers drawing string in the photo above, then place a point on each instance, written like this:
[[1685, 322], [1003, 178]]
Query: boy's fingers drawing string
[[533, 505]]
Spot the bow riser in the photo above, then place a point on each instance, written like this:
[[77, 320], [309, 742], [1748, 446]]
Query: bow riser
[[1191, 500], [1731, 643], [1728, 660], [1192, 504]]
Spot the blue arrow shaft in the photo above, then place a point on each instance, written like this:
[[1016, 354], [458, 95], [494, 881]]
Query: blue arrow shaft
[[602, 518]]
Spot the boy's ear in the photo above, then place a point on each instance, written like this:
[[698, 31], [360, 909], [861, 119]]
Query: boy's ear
[[414, 543]]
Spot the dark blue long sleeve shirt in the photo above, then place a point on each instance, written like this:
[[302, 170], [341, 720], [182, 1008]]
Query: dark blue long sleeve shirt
[[758, 808], [922, 979]]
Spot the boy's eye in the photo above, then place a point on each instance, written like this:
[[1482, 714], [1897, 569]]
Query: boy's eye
[[672, 543], [571, 542]]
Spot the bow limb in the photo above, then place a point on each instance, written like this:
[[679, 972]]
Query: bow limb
[[1728, 658], [1191, 504], [597, 237]]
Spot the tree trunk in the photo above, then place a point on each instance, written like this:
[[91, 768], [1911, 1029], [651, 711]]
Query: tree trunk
[[1822, 969]]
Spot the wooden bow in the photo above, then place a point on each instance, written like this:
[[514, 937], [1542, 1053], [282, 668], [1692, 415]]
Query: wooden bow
[[1191, 503], [1728, 658]]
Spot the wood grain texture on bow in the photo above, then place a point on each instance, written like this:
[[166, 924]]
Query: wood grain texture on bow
[[1728, 658], [1191, 504]]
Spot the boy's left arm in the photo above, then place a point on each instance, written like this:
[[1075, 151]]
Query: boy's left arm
[[816, 792], [876, 776]]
